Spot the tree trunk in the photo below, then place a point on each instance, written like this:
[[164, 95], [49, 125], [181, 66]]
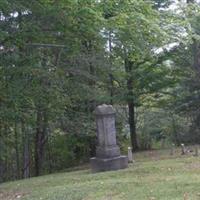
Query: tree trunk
[[40, 139], [176, 137], [132, 125], [91, 104], [17, 151], [38, 143], [110, 69], [196, 53], [50, 157], [26, 154], [131, 105], [1, 154], [7, 171]]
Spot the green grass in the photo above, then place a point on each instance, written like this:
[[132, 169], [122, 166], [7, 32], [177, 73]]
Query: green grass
[[155, 175]]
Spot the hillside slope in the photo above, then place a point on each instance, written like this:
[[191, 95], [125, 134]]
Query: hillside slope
[[148, 179]]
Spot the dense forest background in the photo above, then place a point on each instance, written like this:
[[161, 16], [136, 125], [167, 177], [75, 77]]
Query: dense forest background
[[60, 59]]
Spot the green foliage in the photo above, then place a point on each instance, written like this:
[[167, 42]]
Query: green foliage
[[69, 150], [186, 101]]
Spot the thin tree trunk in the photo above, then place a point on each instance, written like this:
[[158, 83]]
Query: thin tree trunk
[[132, 125], [7, 174], [196, 52], [17, 150], [91, 82], [38, 143], [131, 105], [50, 159], [26, 154], [177, 141], [40, 139], [1, 154], [110, 69]]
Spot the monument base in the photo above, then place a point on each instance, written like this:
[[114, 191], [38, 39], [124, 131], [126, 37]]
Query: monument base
[[108, 164]]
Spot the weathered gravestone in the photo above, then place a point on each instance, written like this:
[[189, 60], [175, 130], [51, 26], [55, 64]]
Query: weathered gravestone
[[130, 155], [183, 149], [107, 151]]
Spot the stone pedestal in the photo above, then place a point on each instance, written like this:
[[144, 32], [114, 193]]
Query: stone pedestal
[[107, 152]]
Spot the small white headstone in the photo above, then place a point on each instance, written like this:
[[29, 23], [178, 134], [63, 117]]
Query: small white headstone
[[183, 150], [130, 155]]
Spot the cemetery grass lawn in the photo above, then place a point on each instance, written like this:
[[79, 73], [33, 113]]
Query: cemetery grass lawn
[[154, 176]]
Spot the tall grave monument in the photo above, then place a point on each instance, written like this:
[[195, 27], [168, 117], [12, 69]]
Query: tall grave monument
[[107, 151]]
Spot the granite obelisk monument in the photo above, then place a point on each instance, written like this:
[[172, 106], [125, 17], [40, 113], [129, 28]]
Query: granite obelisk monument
[[107, 151]]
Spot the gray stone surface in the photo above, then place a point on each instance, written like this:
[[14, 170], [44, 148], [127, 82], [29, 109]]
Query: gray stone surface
[[108, 164], [183, 149], [130, 155], [107, 152]]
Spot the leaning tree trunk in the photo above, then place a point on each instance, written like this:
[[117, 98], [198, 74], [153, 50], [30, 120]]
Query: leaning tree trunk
[[131, 105]]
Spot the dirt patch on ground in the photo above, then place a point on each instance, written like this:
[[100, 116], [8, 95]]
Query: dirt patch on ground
[[14, 195], [193, 166]]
